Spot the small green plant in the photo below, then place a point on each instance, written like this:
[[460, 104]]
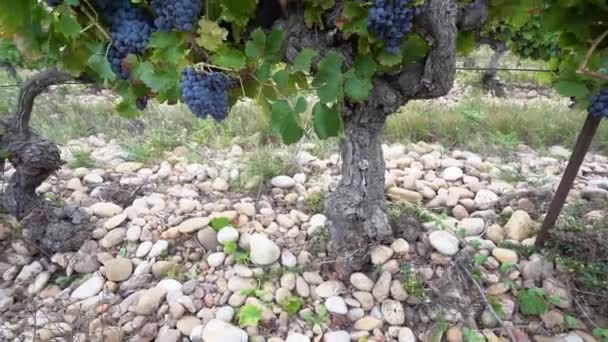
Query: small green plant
[[253, 292], [264, 164], [412, 283], [219, 223], [176, 272], [508, 140], [292, 304], [64, 281], [316, 202], [249, 316], [601, 333], [316, 318], [472, 336], [496, 305], [532, 302], [571, 322], [239, 255], [81, 158], [508, 267], [317, 241]]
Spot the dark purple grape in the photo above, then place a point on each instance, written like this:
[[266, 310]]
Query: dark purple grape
[[205, 93], [391, 20], [598, 105], [180, 15], [54, 3]]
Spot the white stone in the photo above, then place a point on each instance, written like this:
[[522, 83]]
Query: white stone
[[105, 209], [336, 305], [381, 254], [444, 242], [220, 331], [484, 198], [216, 259], [263, 251], [400, 246], [361, 282], [143, 249], [93, 178], [227, 234], [89, 288], [452, 174], [406, 335], [288, 259], [194, 224], [295, 337], [133, 233], [393, 312], [471, 226], [318, 220], [113, 238], [118, 269], [505, 255], [337, 336], [330, 288], [115, 221], [158, 248], [518, 226], [283, 182], [220, 184]]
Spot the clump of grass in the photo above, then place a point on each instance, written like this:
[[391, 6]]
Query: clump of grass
[[262, 165], [81, 158], [316, 202], [490, 127]]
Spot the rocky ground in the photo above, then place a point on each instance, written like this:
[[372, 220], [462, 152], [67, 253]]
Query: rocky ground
[[156, 270]]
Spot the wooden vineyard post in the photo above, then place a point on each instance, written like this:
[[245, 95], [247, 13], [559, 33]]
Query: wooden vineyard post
[[574, 164]]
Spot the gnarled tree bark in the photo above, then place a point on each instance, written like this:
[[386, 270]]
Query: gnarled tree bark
[[52, 227], [356, 210]]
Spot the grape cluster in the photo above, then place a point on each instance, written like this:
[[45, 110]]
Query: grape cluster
[[599, 104], [391, 20], [205, 93], [141, 103], [54, 3], [180, 15], [130, 29]]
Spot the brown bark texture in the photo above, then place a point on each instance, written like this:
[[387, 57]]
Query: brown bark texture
[[52, 227], [357, 212]]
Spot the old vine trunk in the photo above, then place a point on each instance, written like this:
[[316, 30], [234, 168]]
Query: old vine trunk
[[357, 209]]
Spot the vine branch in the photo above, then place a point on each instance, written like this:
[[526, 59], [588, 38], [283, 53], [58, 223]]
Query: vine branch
[[583, 68]]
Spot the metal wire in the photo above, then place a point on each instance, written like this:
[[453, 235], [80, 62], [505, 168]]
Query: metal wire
[[504, 69]]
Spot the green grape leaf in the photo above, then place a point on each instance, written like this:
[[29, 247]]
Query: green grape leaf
[[554, 300], [292, 304], [301, 105], [465, 43], [303, 60], [67, 23], [281, 79], [327, 122], [284, 122], [127, 109], [355, 19], [210, 35], [357, 89], [167, 47], [229, 58], [572, 88], [155, 79], [414, 49], [254, 48], [274, 45], [238, 11], [100, 65], [249, 316], [218, 223], [388, 59], [365, 66], [532, 302], [329, 78]]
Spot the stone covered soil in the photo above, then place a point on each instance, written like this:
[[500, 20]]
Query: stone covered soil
[[155, 270]]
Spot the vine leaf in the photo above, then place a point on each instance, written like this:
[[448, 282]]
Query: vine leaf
[[99, 63], [532, 301], [329, 78], [572, 88], [281, 79], [357, 89], [284, 122], [254, 48], [211, 35], [229, 58], [167, 47], [67, 24], [238, 11], [326, 120], [303, 60]]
